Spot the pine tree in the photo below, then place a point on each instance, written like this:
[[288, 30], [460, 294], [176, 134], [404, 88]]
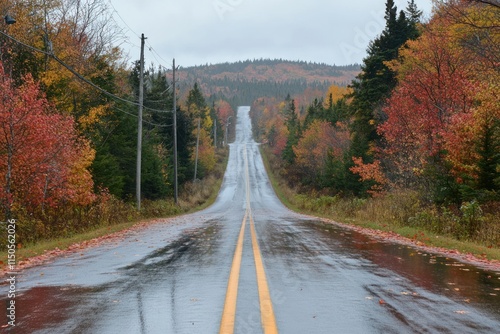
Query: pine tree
[[413, 13], [376, 80], [293, 125], [195, 98], [160, 97]]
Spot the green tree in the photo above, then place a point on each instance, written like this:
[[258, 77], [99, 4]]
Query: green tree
[[293, 125], [376, 80], [115, 143], [196, 100]]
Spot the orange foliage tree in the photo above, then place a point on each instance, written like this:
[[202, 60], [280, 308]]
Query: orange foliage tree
[[371, 172], [319, 143]]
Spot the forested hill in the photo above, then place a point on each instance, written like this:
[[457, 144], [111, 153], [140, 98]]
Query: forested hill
[[242, 82]]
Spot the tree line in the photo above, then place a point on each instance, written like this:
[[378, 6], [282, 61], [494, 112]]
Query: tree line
[[243, 82]]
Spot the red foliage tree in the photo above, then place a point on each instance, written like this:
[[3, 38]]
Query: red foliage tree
[[435, 89], [43, 161], [224, 111]]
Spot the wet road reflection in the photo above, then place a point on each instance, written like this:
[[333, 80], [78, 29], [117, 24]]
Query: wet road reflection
[[332, 278], [172, 277]]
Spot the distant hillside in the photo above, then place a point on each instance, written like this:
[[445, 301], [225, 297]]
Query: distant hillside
[[242, 82]]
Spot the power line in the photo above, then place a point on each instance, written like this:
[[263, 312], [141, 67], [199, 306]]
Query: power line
[[121, 18], [78, 75], [147, 122], [155, 54]]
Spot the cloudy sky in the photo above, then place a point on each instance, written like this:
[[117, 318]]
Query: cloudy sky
[[197, 32]]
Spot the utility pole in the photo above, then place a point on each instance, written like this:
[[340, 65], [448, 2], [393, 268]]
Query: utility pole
[[175, 136], [139, 127], [197, 146]]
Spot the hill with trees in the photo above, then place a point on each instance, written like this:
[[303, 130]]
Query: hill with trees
[[243, 82]]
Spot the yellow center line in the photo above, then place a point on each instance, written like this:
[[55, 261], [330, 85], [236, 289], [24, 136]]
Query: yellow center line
[[266, 306], [229, 313]]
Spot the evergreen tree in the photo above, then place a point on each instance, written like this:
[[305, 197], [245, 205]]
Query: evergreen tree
[[413, 13], [374, 84], [337, 111], [113, 137], [157, 167], [185, 145], [314, 111], [489, 152], [160, 97], [293, 125], [195, 98], [116, 147]]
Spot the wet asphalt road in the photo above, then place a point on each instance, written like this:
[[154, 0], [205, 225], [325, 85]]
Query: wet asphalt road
[[173, 277]]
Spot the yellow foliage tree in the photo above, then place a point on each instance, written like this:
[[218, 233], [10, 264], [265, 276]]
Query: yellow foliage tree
[[336, 93]]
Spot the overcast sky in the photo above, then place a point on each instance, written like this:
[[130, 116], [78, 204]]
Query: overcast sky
[[197, 32]]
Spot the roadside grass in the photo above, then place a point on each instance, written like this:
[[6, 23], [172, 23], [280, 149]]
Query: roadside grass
[[201, 194], [193, 197], [39, 248], [401, 213]]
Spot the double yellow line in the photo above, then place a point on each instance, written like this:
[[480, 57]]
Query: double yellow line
[[266, 307]]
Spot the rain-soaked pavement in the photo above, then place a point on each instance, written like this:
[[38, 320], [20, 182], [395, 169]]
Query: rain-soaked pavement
[[172, 277]]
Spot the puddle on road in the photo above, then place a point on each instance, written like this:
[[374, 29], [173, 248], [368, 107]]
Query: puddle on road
[[433, 272], [196, 244], [42, 307], [316, 244]]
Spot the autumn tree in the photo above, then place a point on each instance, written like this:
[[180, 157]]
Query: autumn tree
[[223, 114], [442, 123], [478, 22], [269, 123], [202, 116], [474, 26], [319, 143], [44, 161], [81, 34]]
